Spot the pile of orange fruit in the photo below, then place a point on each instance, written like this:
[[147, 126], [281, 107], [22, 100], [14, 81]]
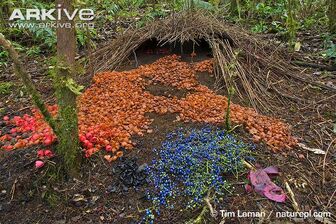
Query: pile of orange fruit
[[204, 66], [117, 102], [114, 108]]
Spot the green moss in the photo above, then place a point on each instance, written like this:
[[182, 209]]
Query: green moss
[[67, 121]]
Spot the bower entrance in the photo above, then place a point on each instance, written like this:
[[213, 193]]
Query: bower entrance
[[152, 49]]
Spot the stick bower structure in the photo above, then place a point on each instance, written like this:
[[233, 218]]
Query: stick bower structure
[[258, 70]]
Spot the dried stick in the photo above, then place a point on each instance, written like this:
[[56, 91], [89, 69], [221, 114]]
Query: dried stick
[[291, 194], [324, 160]]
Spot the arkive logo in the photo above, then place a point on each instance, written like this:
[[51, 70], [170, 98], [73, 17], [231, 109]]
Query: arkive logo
[[52, 14]]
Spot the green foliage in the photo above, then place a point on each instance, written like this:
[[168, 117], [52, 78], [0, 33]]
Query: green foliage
[[198, 4], [84, 36], [260, 27], [33, 51], [285, 17], [73, 86], [3, 56], [330, 47], [5, 88], [331, 51]]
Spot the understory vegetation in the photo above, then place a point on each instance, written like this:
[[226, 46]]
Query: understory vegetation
[[285, 18]]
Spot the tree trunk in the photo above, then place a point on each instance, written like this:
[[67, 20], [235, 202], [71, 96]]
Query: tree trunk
[[332, 16], [68, 146]]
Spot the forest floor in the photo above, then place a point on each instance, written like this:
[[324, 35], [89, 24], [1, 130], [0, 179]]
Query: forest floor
[[26, 197]]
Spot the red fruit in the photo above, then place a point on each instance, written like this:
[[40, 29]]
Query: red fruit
[[7, 137], [47, 141], [6, 118], [86, 142], [48, 153], [34, 137], [40, 153], [10, 147], [108, 148], [94, 139], [82, 138], [89, 145], [13, 130], [89, 136]]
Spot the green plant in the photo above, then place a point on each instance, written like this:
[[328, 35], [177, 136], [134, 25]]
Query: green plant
[[228, 111], [198, 4], [259, 28], [5, 87], [3, 56], [284, 17], [83, 36], [291, 22], [329, 51], [33, 51]]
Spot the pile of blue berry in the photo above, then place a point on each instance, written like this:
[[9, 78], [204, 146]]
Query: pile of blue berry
[[191, 162]]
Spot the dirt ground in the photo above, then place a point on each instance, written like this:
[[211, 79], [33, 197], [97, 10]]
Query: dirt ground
[[26, 195]]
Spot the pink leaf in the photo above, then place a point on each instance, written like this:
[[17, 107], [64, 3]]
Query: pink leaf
[[263, 184], [272, 170], [274, 193]]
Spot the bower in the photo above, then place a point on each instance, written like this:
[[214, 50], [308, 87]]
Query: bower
[[258, 70]]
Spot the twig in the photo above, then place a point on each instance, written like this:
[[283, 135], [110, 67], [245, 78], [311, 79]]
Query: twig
[[213, 212], [314, 65], [248, 165], [318, 102], [208, 205], [324, 160], [24, 108], [13, 189], [136, 59], [330, 199], [291, 194]]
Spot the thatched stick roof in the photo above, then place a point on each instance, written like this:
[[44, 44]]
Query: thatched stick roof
[[255, 67]]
